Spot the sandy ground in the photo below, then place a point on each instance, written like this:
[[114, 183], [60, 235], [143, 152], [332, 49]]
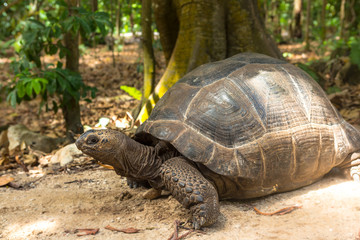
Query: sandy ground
[[56, 204]]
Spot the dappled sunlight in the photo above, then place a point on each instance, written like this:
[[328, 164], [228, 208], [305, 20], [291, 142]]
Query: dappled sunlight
[[19, 231]]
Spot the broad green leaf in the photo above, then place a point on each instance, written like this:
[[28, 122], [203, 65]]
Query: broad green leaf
[[133, 92], [20, 89], [101, 26], [61, 3], [38, 23], [84, 25], [52, 49], [29, 89], [11, 98], [56, 31], [355, 53], [68, 24], [36, 86]]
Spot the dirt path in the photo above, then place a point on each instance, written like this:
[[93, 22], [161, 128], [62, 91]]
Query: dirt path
[[57, 204]]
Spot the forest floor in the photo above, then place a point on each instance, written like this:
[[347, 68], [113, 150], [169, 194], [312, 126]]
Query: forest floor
[[54, 203]]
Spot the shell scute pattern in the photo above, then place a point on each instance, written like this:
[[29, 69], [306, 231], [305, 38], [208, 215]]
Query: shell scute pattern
[[253, 117]]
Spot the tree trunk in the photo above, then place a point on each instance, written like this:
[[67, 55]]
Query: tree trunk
[[131, 19], [71, 108], [94, 5], [168, 25], [322, 21], [296, 28], [148, 52], [118, 17], [342, 19], [307, 28], [275, 19], [209, 30]]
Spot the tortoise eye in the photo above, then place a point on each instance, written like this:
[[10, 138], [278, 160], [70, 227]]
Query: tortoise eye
[[92, 139]]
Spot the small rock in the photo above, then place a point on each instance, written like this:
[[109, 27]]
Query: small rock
[[29, 159], [19, 135], [66, 155], [152, 193]]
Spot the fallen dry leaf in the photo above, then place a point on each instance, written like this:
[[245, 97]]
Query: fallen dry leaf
[[124, 230], [86, 231], [279, 212], [106, 166], [4, 180]]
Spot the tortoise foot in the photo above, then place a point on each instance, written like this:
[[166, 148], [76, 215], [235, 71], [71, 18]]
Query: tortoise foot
[[192, 190]]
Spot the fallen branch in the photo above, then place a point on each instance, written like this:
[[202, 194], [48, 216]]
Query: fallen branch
[[279, 212]]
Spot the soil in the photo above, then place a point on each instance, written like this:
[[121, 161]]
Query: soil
[[57, 204], [53, 202]]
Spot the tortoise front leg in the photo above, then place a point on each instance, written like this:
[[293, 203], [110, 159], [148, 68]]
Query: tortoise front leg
[[192, 190]]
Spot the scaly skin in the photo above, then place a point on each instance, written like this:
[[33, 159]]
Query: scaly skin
[[159, 166], [192, 190]]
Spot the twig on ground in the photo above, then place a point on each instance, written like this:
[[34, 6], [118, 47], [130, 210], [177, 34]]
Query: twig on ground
[[175, 234], [279, 212]]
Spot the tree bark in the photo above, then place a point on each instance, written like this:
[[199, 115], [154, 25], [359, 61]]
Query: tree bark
[[208, 30], [118, 17], [71, 107], [94, 5], [296, 28], [342, 19], [168, 25], [322, 21], [148, 52], [307, 28]]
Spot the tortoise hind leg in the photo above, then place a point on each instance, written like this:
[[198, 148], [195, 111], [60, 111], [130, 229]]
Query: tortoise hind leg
[[192, 190]]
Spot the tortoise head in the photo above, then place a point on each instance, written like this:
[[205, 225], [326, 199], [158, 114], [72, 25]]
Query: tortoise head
[[104, 145]]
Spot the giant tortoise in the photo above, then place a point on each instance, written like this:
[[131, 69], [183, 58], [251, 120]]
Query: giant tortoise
[[240, 128]]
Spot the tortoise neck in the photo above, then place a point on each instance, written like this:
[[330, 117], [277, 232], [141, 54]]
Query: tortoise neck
[[140, 161]]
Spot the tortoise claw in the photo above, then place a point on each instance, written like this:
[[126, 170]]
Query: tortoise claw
[[198, 222]]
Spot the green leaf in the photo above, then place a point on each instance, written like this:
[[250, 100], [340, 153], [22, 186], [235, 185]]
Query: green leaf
[[133, 92], [29, 89], [38, 23], [29, 37], [333, 89], [84, 25], [355, 53], [62, 82], [101, 26], [52, 49], [20, 89], [11, 97], [36, 86], [68, 23], [61, 3], [56, 31]]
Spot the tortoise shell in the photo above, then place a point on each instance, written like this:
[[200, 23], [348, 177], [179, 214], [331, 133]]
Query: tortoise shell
[[253, 117]]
